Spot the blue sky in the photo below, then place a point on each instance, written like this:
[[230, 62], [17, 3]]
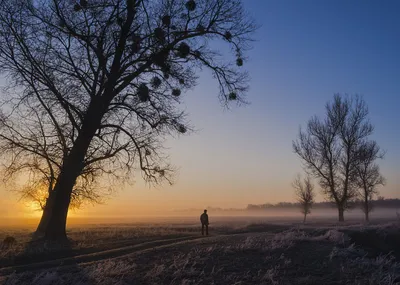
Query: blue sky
[[305, 51]]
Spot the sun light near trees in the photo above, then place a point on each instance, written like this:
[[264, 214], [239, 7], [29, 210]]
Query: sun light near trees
[[32, 209]]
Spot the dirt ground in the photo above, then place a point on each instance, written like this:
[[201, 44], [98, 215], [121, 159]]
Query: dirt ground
[[256, 253]]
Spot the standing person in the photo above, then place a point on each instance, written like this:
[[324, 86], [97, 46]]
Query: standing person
[[204, 222]]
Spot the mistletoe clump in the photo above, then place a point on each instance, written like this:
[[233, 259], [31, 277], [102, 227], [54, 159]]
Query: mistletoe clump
[[176, 92], [166, 20], [232, 96], [143, 92], [190, 5], [159, 34], [183, 50], [156, 82], [160, 58], [228, 35], [182, 129], [239, 62]]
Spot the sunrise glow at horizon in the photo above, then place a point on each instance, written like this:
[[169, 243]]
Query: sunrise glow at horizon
[[304, 52]]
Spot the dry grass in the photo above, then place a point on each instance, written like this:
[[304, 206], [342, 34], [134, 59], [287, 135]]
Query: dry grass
[[300, 255], [84, 240]]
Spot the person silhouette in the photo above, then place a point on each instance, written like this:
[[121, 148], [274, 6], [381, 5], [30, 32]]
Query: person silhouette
[[204, 222]]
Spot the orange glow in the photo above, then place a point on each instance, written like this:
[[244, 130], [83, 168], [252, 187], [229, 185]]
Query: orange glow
[[139, 203], [31, 209]]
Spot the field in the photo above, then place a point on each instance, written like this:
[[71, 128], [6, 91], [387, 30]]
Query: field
[[238, 251]]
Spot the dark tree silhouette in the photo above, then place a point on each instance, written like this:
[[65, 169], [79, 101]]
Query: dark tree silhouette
[[368, 175], [93, 87], [304, 191], [39, 173], [328, 148]]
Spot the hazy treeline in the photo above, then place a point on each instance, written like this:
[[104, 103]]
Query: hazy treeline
[[379, 203]]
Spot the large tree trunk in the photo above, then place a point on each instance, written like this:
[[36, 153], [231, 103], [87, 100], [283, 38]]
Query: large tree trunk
[[54, 218], [55, 229], [305, 217], [341, 213], [45, 217]]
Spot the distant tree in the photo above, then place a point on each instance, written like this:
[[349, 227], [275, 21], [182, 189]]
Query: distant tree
[[328, 148], [386, 203], [305, 195], [94, 86], [368, 176]]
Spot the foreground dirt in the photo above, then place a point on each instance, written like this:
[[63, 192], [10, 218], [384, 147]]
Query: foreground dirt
[[268, 255], [90, 257]]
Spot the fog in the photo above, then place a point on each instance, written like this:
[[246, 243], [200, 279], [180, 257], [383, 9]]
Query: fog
[[220, 218]]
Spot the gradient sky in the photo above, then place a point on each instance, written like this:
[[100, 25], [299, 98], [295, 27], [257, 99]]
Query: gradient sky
[[305, 51]]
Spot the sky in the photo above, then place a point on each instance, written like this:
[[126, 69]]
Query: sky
[[303, 53]]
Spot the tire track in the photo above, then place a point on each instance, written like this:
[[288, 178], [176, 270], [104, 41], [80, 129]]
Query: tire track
[[93, 257]]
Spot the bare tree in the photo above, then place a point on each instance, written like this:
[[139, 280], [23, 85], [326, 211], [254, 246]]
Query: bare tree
[[94, 86], [368, 175], [328, 148], [39, 174], [305, 195]]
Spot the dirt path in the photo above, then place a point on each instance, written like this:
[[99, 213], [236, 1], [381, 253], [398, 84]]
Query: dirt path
[[93, 257], [68, 264]]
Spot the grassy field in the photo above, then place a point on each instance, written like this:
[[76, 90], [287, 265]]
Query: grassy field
[[239, 251]]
